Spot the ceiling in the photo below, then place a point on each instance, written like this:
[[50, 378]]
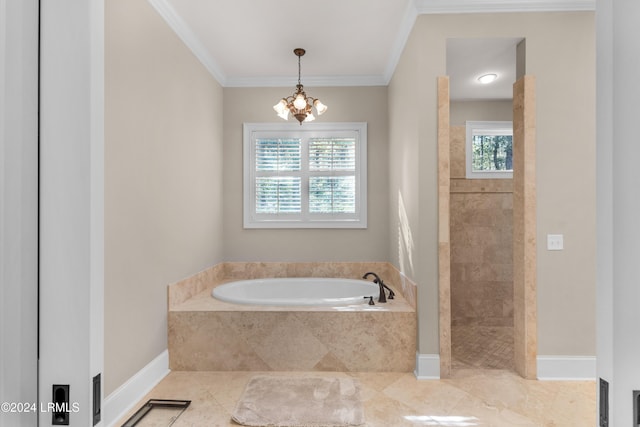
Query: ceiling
[[468, 59], [348, 42]]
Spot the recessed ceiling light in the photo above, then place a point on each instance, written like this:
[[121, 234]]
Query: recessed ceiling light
[[487, 78]]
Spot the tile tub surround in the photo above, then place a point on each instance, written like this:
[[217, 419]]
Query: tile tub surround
[[180, 291], [205, 334]]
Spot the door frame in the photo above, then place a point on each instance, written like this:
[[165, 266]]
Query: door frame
[[19, 46], [524, 227]]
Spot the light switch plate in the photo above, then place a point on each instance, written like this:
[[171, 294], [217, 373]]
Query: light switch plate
[[555, 242]]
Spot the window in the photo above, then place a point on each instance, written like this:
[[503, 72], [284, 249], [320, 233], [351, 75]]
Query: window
[[489, 150], [314, 176]]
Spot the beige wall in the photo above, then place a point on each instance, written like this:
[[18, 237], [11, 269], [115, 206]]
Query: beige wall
[[405, 115], [346, 104], [496, 109], [163, 180], [560, 53], [167, 128]]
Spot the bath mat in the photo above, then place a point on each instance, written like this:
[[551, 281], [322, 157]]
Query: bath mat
[[300, 401]]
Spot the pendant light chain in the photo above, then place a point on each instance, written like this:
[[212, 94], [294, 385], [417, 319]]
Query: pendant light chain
[[299, 105]]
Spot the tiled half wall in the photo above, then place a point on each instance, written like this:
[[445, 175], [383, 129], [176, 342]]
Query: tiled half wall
[[205, 334]]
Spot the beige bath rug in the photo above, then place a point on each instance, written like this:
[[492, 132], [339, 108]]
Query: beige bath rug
[[299, 401]]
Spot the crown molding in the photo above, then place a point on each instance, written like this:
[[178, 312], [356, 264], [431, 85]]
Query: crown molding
[[414, 8], [497, 6], [307, 81], [408, 21], [177, 24]]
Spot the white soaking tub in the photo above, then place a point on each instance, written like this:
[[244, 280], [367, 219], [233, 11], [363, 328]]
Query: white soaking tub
[[311, 291]]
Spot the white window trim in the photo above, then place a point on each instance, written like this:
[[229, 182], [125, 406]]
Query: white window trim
[[494, 126], [252, 220]]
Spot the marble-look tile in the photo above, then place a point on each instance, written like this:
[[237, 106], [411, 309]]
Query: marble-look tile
[[444, 297], [470, 397], [204, 302], [411, 292], [330, 363], [292, 341], [481, 267], [407, 287], [349, 270], [485, 347], [524, 226], [254, 270], [482, 258], [444, 217], [205, 341], [288, 346], [459, 185], [547, 403], [207, 334], [369, 341], [427, 397], [457, 152], [184, 289]]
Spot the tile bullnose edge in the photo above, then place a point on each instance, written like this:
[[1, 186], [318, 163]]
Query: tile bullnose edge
[[180, 291]]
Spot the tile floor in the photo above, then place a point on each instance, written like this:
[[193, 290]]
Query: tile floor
[[482, 347], [471, 397]]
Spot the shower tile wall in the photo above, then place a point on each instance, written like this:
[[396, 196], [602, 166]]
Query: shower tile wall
[[481, 245], [481, 259], [481, 226]]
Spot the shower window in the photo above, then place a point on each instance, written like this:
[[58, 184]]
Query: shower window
[[489, 149], [305, 177]]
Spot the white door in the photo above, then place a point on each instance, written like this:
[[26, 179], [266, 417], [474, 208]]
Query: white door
[[18, 212]]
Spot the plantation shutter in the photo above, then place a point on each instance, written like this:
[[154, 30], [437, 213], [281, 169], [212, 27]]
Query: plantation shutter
[[309, 177], [332, 181], [276, 190]]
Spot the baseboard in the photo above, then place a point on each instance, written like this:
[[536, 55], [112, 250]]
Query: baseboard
[[566, 368], [124, 398], [427, 366]]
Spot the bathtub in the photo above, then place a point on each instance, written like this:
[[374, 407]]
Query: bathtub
[[297, 291]]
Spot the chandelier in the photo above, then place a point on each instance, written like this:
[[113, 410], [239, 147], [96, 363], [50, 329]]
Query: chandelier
[[299, 104]]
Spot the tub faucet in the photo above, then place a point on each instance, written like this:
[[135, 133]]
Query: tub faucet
[[378, 280]]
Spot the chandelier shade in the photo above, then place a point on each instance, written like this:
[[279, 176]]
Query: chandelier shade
[[299, 105]]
